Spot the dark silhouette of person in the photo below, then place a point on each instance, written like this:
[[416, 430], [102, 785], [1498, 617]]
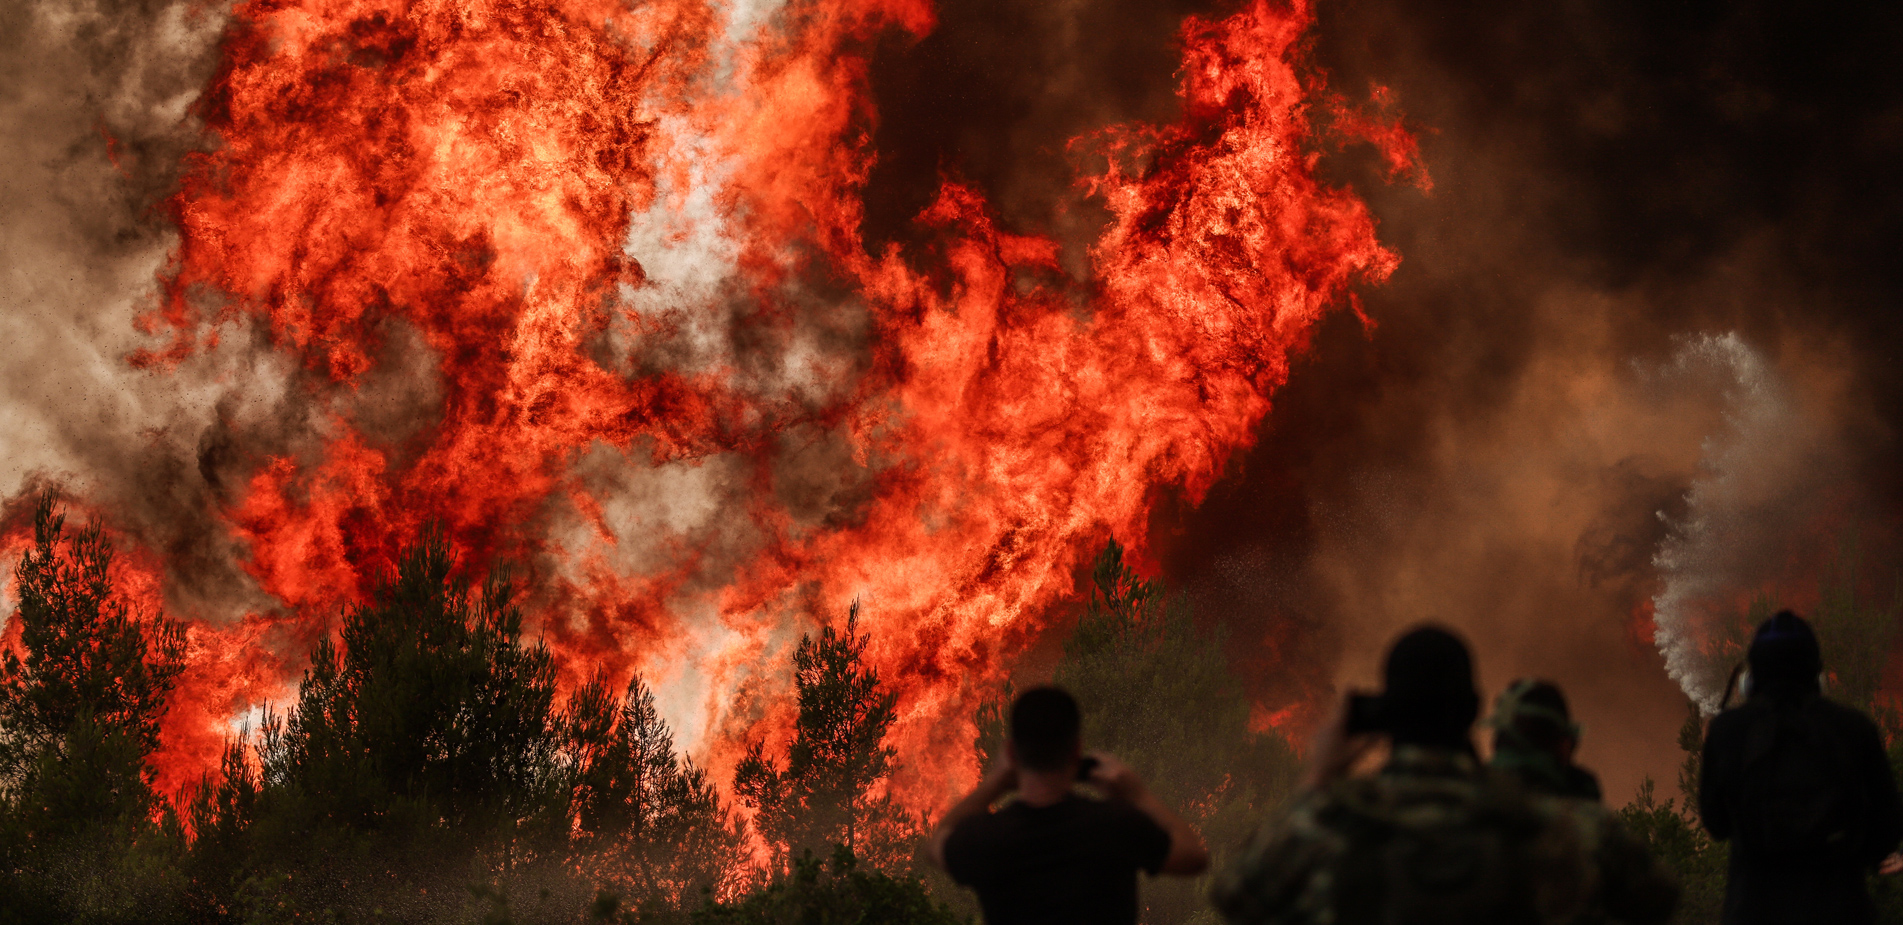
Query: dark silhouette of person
[[1434, 836], [1801, 788], [1051, 854], [1534, 738]]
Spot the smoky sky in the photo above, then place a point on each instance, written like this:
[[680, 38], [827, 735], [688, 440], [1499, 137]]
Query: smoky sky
[[1498, 451]]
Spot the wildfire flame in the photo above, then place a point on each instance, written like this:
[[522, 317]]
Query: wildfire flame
[[622, 244]]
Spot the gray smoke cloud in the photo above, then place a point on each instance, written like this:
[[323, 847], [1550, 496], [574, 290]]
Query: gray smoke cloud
[[94, 122]]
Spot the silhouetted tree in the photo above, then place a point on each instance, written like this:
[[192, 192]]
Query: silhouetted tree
[[421, 753], [821, 797], [80, 703], [647, 823]]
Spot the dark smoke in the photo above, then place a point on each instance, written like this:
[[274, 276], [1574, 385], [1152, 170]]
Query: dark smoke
[[994, 94], [1610, 178]]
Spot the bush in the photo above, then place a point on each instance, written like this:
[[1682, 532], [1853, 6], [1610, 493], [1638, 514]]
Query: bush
[[839, 893]]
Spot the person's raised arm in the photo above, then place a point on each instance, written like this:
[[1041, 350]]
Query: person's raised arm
[[1187, 855], [1334, 749], [1000, 780]]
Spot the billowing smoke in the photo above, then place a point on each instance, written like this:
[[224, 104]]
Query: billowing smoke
[[1609, 178], [95, 126]]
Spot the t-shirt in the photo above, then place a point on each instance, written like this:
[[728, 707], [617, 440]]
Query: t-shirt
[[1073, 861]]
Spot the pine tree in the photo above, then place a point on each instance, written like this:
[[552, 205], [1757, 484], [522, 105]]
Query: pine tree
[[421, 755], [822, 796], [81, 698], [84, 658], [647, 821]]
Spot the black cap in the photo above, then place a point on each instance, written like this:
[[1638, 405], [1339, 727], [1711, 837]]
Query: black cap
[[1784, 656]]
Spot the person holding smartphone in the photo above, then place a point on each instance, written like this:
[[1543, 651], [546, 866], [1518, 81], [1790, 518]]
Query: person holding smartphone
[[1052, 854], [1433, 836]]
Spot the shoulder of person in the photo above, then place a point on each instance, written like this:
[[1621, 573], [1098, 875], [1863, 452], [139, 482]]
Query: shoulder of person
[[1734, 719], [1844, 714], [1100, 807], [1284, 874], [977, 825]]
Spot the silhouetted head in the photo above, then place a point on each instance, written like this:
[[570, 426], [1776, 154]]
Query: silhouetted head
[[1045, 729], [1784, 658], [1430, 697], [1532, 714]]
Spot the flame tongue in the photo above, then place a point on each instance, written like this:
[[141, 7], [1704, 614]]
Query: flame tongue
[[635, 233]]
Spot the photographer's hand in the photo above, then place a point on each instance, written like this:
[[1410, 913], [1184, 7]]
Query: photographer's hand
[[1187, 855], [1334, 749]]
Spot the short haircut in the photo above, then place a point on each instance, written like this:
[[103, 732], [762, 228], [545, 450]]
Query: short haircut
[[1045, 725], [1784, 655]]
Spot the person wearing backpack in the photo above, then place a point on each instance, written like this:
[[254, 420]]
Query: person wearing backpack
[[1800, 786], [1434, 836]]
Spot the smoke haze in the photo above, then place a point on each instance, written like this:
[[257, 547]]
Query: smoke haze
[[1620, 188]]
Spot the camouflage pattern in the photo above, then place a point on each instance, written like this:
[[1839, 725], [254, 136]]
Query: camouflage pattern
[[1536, 767], [1542, 772], [1433, 838]]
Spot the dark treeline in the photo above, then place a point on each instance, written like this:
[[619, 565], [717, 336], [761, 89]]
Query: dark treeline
[[426, 772], [429, 772]]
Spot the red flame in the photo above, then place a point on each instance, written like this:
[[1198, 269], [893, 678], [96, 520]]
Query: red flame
[[474, 169]]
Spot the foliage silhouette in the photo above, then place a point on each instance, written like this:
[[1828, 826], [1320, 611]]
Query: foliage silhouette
[[83, 836], [823, 795], [839, 893]]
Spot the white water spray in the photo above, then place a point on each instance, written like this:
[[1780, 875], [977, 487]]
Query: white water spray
[[1749, 472]]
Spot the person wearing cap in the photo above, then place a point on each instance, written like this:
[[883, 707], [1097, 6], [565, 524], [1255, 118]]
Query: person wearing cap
[[1534, 738], [1800, 786], [1433, 836], [1533, 743]]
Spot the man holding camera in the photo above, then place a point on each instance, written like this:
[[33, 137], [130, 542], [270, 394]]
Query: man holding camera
[[1433, 836], [1052, 855]]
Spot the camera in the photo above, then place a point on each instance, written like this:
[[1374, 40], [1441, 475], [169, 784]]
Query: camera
[[1086, 766], [1365, 714]]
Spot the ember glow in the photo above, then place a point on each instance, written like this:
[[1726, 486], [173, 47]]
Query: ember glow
[[611, 258]]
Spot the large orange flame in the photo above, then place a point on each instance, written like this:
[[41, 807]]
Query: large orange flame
[[505, 180]]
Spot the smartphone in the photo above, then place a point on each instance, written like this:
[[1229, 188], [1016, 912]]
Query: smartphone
[[1364, 714], [1086, 767]]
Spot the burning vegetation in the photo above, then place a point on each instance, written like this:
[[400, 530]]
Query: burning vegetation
[[547, 473], [426, 769], [582, 290], [585, 288]]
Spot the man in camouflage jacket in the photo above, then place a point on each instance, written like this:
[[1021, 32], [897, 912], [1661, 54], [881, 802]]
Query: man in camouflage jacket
[[1434, 836]]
